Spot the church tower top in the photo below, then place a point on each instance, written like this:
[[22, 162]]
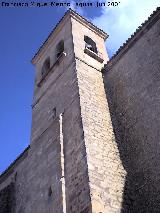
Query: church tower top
[[69, 14]]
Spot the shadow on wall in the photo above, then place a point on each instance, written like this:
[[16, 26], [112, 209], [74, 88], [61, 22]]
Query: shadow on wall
[[7, 201], [75, 168], [139, 152]]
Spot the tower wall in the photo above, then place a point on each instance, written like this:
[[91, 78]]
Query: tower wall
[[57, 91], [40, 176], [103, 161], [132, 82]]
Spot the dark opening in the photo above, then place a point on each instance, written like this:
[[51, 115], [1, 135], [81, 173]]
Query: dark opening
[[90, 44], [49, 191], [54, 113], [46, 67], [59, 48], [7, 199]]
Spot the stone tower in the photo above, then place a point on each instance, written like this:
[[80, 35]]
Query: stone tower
[[72, 164], [75, 164], [72, 142]]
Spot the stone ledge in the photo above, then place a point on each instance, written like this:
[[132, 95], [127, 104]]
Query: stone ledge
[[93, 55]]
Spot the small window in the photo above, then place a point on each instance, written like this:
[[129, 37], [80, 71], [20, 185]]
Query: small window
[[54, 113], [59, 48], [46, 67], [90, 44], [50, 191]]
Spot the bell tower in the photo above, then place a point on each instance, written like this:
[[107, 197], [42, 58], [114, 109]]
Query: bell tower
[[73, 153]]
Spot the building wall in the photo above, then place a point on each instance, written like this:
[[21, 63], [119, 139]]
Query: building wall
[[133, 91], [13, 185]]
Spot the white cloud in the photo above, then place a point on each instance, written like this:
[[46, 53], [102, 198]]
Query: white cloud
[[121, 21]]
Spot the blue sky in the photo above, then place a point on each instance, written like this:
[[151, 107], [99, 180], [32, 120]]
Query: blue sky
[[22, 32]]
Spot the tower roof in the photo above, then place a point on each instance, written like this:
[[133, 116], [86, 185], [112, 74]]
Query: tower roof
[[79, 18]]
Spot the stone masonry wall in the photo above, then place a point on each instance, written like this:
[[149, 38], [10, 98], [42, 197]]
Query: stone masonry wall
[[58, 91], [12, 185], [133, 91], [106, 173], [76, 171]]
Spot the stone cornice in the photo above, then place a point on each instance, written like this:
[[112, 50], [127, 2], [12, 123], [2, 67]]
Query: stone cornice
[[88, 24]]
